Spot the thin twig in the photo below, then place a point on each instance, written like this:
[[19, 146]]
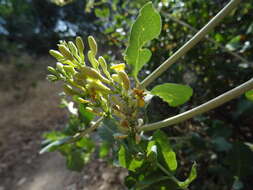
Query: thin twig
[[93, 127], [202, 108], [207, 38], [191, 43]]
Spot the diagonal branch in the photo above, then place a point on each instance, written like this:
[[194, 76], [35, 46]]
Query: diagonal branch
[[202, 108], [207, 38], [191, 43]]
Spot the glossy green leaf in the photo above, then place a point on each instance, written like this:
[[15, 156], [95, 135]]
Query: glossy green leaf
[[173, 94], [249, 95], [192, 176], [166, 150], [146, 27]]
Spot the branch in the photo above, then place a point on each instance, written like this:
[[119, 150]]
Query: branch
[[207, 38], [72, 139], [191, 43], [200, 109], [93, 127]]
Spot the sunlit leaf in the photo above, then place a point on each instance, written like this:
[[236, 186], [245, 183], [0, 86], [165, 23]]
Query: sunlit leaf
[[146, 27], [166, 150], [173, 94], [249, 95]]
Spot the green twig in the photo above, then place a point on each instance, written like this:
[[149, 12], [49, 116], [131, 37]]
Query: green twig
[[172, 177], [202, 108], [236, 55], [93, 127], [191, 43]]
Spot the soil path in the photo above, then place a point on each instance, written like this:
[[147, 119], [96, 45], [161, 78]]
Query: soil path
[[29, 108]]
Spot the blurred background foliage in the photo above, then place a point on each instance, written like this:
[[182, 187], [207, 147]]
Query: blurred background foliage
[[219, 141]]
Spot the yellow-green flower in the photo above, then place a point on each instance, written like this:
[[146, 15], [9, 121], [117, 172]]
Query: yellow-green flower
[[118, 67]]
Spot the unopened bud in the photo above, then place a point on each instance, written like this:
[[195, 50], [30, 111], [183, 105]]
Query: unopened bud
[[81, 100], [125, 80], [65, 51], [116, 78], [59, 67], [69, 70], [102, 62], [52, 70], [79, 44], [93, 60], [73, 48], [93, 45], [69, 90], [56, 54], [98, 86], [92, 73], [52, 78]]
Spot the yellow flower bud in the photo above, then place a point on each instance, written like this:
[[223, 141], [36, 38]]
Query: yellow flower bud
[[118, 67], [125, 80], [69, 90], [116, 78], [93, 45], [65, 51], [98, 86], [52, 78], [93, 60], [69, 70], [59, 67], [81, 100], [73, 48], [56, 54], [103, 64], [79, 44], [92, 73], [52, 70]]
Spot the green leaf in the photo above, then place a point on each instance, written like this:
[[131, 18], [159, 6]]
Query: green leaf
[[192, 176], [123, 157], [166, 150], [126, 160], [102, 12], [173, 94], [249, 95], [104, 149], [146, 27], [152, 150], [75, 161], [85, 115], [234, 43]]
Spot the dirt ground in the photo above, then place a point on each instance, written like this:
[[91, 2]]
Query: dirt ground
[[28, 108]]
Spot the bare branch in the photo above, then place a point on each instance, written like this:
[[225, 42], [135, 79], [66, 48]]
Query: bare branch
[[202, 108], [191, 43]]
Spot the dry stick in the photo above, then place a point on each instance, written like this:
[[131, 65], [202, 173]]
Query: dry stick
[[192, 42], [202, 108], [207, 38]]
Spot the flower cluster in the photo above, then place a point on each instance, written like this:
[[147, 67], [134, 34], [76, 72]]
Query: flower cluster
[[103, 90]]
